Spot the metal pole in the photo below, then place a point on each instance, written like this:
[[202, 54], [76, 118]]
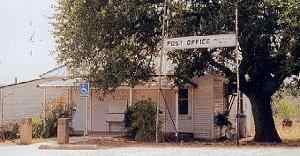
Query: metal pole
[[237, 75], [91, 111], [86, 116], [160, 72]]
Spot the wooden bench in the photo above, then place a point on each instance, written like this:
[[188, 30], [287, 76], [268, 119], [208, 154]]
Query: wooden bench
[[114, 118]]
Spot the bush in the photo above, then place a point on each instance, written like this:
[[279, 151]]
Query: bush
[[41, 130], [37, 127], [53, 113], [221, 120], [13, 132], [140, 121], [50, 129]]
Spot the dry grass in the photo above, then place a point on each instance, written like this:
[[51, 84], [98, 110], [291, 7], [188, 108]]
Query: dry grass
[[289, 134]]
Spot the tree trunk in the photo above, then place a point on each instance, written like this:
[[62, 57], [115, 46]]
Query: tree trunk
[[265, 130]]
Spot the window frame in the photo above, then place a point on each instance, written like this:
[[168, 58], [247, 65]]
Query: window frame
[[183, 99]]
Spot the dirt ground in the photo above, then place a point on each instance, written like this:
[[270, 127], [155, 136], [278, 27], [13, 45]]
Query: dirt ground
[[290, 137], [116, 142]]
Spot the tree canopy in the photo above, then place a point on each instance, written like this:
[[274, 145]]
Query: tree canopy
[[117, 41]]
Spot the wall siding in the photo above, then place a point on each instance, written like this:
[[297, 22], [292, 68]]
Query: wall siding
[[218, 88], [202, 108], [26, 100], [206, 100]]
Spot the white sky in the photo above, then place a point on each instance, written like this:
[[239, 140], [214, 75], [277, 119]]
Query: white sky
[[25, 39]]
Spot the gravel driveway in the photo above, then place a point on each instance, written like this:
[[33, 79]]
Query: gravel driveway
[[32, 150]]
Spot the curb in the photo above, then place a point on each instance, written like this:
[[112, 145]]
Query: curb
[[68, 147]]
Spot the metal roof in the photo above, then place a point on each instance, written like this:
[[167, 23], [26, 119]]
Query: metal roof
[[61, 83]]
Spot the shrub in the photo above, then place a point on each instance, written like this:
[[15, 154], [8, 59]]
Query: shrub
[[53, 113], [12, 132], [37, 127], [140, 121], [50, 129], [221, 120]]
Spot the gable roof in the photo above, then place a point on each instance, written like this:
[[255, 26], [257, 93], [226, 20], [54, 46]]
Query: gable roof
[[20, 83], [60, 71]]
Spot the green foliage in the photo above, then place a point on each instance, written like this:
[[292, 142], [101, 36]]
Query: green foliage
[[284, 109], [50, 129], [114, 41], [140, 121], [118, 40], [101, 35], [222, 120], [37, 127], [54, 111], [39, 130], [13, 132]]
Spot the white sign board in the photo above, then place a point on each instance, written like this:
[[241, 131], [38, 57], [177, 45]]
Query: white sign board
[[191, 42], [84, 89]]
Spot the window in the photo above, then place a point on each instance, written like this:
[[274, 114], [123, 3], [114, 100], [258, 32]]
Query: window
[[183, 101]]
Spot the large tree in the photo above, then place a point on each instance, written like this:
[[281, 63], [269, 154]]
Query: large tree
[[117, 42]]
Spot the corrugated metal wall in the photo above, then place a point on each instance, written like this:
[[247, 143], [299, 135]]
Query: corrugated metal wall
[[26, 100]]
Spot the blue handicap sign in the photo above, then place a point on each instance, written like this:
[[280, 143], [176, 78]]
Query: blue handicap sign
[[84, 89]]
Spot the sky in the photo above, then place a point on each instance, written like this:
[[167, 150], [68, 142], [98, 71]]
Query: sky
[[25, 39]]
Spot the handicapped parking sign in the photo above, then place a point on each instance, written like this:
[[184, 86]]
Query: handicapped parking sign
[[84, 89]]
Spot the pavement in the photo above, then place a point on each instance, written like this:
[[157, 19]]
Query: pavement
[[33, 150]]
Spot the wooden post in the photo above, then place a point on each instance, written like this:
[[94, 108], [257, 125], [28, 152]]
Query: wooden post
[[26, 131], [63, 131], [45, 106], [176, 113], [237, 57], [130, 96], [160, 71]]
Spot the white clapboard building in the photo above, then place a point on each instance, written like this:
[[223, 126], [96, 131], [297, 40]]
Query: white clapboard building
[[190, 109]]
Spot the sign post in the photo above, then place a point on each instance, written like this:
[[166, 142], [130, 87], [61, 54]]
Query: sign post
[[85, 92], [237, 59], [206, 42]]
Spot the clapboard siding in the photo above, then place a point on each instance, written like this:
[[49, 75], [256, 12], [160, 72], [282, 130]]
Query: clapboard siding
[[205, 102], [202, 107], [218, 92], [100, 106]]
